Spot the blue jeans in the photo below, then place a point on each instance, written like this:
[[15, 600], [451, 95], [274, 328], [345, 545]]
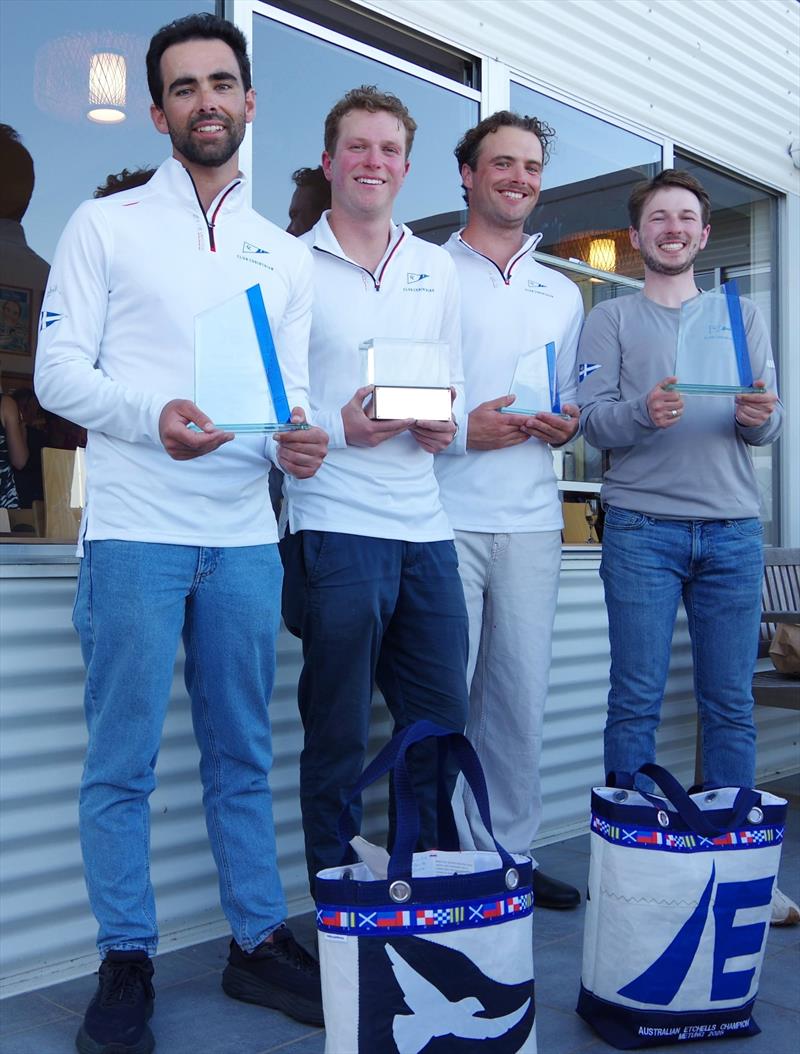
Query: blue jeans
[[371, 610], [134, 600], [716, 567]]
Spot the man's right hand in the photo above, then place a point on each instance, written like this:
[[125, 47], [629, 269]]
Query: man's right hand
[[487, 429], [665, 407], [181, 442], [360, 430]]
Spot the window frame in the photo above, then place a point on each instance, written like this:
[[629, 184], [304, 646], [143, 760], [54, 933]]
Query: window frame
[[243, 14]]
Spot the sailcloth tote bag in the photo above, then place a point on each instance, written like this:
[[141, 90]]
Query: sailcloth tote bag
[[436, 955], [678, 910]]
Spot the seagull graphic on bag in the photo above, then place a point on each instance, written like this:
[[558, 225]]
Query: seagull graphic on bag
[[433, 1014]]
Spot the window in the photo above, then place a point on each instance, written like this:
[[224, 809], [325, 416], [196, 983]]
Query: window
[[583, 219], [743, 245], [593, 166], [301, 70], [58, 62]]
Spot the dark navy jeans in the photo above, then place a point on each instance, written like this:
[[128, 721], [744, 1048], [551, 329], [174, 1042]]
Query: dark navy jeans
[[371, 611]]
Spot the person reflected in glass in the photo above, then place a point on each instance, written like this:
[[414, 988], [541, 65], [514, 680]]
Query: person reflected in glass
[[29, 478], [13, 450], [23, 273], [311, 197], [127, 179]]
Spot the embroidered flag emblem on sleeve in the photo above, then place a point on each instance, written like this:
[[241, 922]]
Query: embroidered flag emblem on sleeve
[[586, 369]]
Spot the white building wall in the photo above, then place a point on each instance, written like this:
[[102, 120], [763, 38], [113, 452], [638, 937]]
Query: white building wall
[[716, 76]]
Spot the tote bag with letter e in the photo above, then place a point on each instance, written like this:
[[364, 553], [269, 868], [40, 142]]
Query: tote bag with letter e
[[678, 910], [426, 952]]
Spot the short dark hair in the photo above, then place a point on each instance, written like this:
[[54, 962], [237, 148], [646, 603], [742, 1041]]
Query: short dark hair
[[127, 179], [313, 179], [669, 177], [367, 97], [16, 165], [469, 145], [195, 27]]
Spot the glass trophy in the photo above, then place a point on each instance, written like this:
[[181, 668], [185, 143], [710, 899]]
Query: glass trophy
[[237, 377], [411, 378], [712, 357], [535, 383]]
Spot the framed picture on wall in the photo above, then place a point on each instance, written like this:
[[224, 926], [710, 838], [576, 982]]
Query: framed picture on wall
[[16, 320]]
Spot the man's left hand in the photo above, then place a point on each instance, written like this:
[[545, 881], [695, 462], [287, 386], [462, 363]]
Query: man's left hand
[[301, 452], [755, 409], [552, 428], [434, 436]]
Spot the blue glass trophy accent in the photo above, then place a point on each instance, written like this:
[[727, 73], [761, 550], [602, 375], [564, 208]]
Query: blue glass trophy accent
[[712, 357], [237, 377], [535, 383], [410, 378]]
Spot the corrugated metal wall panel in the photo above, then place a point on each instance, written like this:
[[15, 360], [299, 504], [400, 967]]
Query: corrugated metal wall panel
[[663, 64], [43, 739], [47, 928], [572, 752]]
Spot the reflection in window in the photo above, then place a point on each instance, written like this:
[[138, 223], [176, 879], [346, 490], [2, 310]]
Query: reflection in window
[[73, 86], [743, 245], [582, 211], [299, 77], [582, 214]]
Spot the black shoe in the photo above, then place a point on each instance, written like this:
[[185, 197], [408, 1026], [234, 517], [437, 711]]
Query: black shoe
[[550, 893], [280, 974], [116, 1018]]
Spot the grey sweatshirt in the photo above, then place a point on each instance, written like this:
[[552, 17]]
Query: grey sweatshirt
[[698, 469]]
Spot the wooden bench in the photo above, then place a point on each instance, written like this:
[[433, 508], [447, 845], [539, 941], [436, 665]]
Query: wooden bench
[[780, 602]]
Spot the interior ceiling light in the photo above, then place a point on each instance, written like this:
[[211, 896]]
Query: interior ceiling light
[[67, 73], [603, 254], [608, 250], [107, 83]]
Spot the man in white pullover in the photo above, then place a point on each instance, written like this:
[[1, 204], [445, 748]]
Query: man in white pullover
[[178, 536], [502, 498], [372, 582]]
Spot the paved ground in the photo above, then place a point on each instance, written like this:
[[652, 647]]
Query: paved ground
[[193, 1016]]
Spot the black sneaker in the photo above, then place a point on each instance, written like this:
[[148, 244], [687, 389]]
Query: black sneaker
[[116, 1019], [280, 974]]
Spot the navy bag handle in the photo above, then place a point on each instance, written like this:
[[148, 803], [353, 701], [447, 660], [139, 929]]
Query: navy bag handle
[[445, 820], [393, 757], [689, 812]]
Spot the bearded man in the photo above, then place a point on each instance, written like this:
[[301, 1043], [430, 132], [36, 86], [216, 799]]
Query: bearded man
[[178, 538]]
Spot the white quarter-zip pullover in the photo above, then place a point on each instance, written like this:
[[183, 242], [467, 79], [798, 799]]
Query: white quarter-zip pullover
[[504, 313], [387, 491], [130, 273]]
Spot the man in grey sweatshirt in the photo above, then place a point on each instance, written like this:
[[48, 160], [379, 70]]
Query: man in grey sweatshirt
[[680, 495]]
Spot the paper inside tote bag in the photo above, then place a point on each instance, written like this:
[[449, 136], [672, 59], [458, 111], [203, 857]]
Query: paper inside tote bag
[[436, 955]]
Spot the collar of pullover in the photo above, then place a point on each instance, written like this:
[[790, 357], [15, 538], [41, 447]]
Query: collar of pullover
[[173, 179], [528, 245], [322, 237]]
